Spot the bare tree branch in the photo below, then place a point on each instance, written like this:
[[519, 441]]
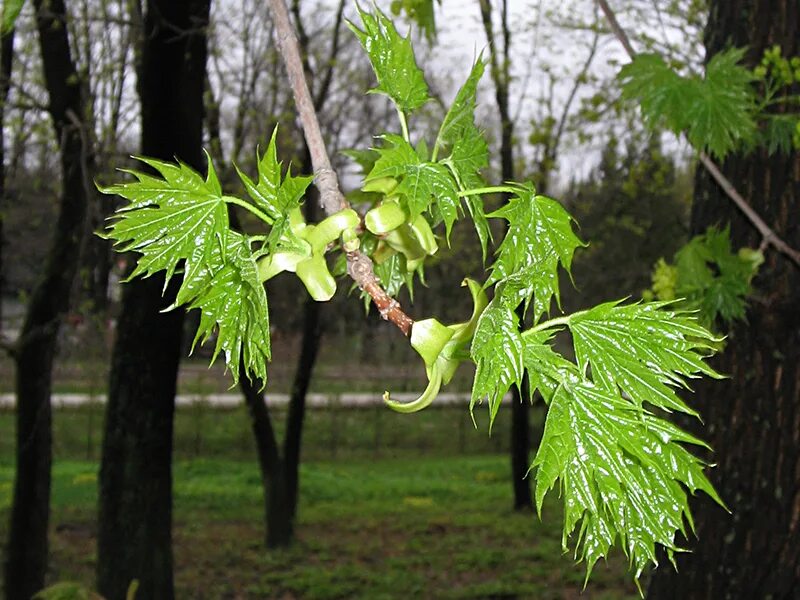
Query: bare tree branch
[[359, 265], [770, 238]]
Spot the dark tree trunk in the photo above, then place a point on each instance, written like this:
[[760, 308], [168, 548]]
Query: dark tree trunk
[[26, 561], [309, 348], [280, 525], [135, 505], [753, 418], [281, 475], [6, 63], [520, 410]]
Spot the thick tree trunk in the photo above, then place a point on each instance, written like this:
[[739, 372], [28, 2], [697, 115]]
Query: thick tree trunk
[[135, 506], [753, 418], [26, 561]]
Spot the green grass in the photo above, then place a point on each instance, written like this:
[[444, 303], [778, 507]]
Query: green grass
[[387, 528]]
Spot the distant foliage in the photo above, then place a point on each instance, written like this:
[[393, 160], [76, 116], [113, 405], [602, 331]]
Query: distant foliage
[[709, 278], [717, 112]]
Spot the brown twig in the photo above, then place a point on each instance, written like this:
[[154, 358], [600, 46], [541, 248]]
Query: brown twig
[[769, 237], [359, 266]]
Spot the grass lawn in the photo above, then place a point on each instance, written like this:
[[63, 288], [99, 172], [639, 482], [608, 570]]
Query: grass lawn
[[368, 528]]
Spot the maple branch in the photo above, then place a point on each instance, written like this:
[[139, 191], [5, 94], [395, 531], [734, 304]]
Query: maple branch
[[769, 237], [359, 265]]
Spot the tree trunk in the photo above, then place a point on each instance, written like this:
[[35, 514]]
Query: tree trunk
[[309, 348], [26, 561], [6, 63], [280, 525], [281, 476], [753, 417], [135, 505]]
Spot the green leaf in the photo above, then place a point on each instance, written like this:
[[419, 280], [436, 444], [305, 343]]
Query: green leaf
[[623, 474], [394, 158], [641, 350], [429, 182], [539, 237], [234, 304], [419, 11], [545, 367], [475, 207], [497, 352], [469, 157], [393, 274], [275, 197], [712, 279], [470, 152], [716, 112], [663, 95], [393, 61], [722, 115], [421, 183], [179, 217], [182, 218], [460, 118], [780, 132], [10, 10]]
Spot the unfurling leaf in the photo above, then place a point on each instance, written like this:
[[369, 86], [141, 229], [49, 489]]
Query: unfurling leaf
[[469, 152], [277, 198], [539, 237], [393, 61], [421, 183]]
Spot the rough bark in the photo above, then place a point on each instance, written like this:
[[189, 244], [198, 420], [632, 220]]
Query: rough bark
[[520, 409], [135, 505], [26, 561], [753, 418]]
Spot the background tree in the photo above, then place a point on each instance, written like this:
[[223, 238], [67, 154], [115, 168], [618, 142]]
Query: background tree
[[6, 63], [34, 350], [135, 505], [752, 416], [499, 61]]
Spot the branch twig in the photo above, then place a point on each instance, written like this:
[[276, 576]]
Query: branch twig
[[769, 236], [359, 265]]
